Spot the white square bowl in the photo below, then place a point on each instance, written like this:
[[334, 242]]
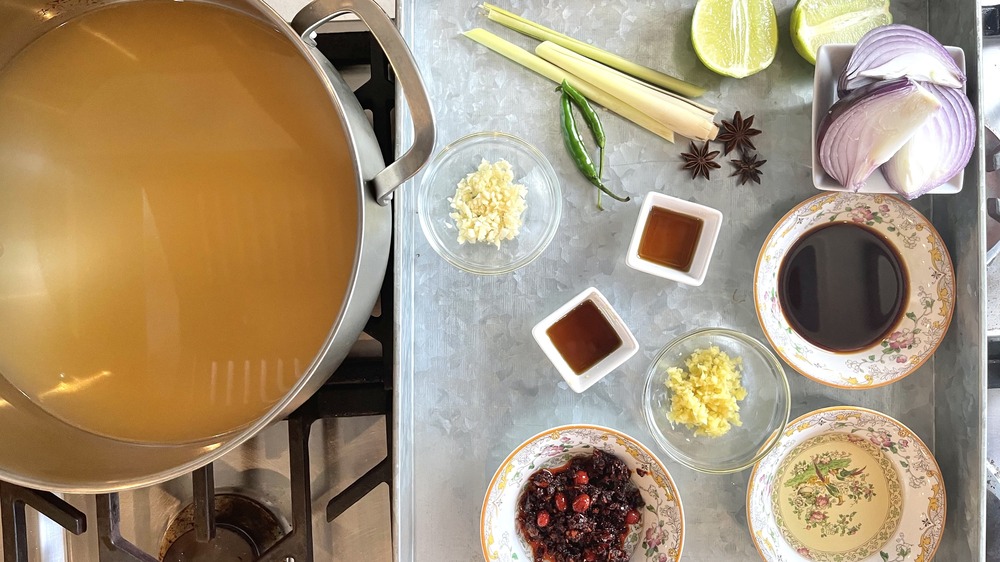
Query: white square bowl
[[712, 219], [830, 62], [588, 378]]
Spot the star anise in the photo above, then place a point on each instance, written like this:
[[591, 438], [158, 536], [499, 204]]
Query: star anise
[[748, 168], [700, 161], [737, 133]]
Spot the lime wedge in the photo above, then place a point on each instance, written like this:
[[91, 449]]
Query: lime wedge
[[735, 37], [818, 22]]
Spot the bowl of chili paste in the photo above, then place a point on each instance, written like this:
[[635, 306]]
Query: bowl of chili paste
[[582, 493]]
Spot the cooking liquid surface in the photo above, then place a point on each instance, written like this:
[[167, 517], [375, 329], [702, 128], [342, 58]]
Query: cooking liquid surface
[[842, 287], [670, 238], [178, 220], [584, 336]]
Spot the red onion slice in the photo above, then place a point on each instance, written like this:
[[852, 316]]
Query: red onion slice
[[865, 129], [894, 51], [938, 150]]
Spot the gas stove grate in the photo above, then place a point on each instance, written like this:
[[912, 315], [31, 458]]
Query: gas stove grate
[[359, 387], [14, 499]]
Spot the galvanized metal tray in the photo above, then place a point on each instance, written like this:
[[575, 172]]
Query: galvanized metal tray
[[471, 382]]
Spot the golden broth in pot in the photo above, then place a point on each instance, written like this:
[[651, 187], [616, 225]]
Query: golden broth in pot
[[178, 220]]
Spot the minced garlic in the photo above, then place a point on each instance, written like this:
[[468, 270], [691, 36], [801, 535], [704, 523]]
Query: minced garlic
[[705, 396], [488, 204]]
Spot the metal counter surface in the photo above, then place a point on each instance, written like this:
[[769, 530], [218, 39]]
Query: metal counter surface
[[993, 304], [473, 384]]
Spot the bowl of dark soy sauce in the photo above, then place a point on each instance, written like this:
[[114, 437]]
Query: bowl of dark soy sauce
[[854, 290], [842, 286]]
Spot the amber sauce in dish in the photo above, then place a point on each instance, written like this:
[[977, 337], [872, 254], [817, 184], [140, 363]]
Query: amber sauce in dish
[[842, 287], [584, 336], [670, 238]]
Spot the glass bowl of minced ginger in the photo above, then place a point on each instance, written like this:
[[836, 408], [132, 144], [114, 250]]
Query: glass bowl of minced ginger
[[716, 400]]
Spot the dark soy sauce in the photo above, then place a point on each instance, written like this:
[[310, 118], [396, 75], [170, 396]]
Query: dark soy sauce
[[842, 287]]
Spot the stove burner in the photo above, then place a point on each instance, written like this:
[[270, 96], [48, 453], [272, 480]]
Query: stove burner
[[227, 546], [244, 528]]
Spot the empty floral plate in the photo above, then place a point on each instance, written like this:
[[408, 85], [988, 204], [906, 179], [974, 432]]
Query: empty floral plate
[[658, 537], [924, 314], [846, 484]]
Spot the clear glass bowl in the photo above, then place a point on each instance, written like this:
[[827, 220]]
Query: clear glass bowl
[[764, 411], [541, 215]]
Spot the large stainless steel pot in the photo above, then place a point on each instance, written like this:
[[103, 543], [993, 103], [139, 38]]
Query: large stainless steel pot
[[38, 450]]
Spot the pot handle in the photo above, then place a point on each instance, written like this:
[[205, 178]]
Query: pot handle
[[317, 13]]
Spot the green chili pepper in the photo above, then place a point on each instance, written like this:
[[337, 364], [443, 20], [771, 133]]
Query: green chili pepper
[[590, 116], [576, 148]]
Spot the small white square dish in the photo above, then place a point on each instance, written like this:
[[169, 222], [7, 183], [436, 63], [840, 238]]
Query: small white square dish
[[830, 62], [703, 247], [587, 332]]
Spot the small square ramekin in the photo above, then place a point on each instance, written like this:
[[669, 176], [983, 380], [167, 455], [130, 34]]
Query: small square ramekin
[[581, 382], [712, 219]]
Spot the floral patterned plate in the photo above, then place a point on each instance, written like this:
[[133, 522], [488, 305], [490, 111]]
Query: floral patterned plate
[[846, 484], [926, 316], [661, 533]]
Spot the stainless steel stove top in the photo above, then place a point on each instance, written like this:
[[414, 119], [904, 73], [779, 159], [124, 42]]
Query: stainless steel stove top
[[341, 451]]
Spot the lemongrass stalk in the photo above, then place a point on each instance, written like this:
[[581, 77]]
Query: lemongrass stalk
[[708, 110], [674, 114], [542, 33], [673, 111], [552, 72]]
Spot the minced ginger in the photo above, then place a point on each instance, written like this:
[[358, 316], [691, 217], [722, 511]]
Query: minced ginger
[[705, 397], [488, 204]]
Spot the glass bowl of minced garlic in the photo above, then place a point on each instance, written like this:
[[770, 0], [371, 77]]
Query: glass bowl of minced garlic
[[489, 203], [716, 400]]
